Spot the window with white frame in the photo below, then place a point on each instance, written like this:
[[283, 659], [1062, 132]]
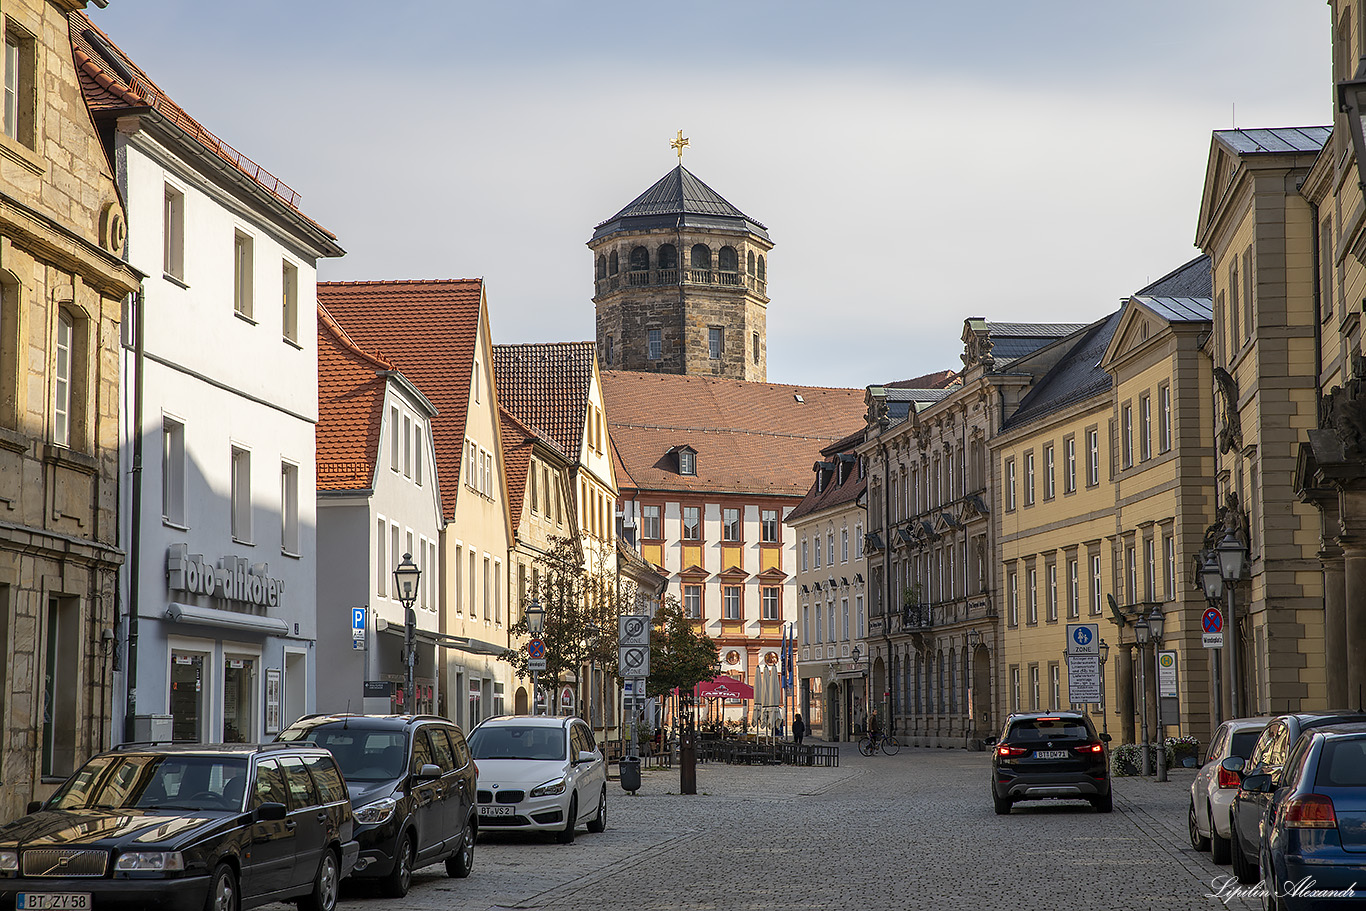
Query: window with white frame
[[1150, 569], [418, 450], [1049, 482], [1092, 457], [844, 545], [692, 602], [407, 446], [1169, 555], [173, 234], [858, 541], [1145, 427], [289, 508], [858, 616], [1096, 584], [173, 471], [806, 553], [1070, 477], [1052, 591], [768, 526], [730, 524], [475, 377], [20, 121], [381, 557], [241, 495], [1131, 572], [1127, 435], [395, 440], [1013, 579], [816, 546], [650, 526], [692, 523], [770, 602], [242, 276], [1029, 479], [1073, 590], [1164, 418], [830, 548], [62, 374], [289, 301], [1010, 485], [1032, 596], [714, 345], [730, 602], [654, 344]]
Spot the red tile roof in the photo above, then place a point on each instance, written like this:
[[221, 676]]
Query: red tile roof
[[428, 330], [834, 494], [547, 385], [112, 82], [518, 442], [755, 438], [350, 408]]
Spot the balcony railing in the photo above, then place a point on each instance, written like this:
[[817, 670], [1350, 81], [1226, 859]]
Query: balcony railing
[[649, 278]]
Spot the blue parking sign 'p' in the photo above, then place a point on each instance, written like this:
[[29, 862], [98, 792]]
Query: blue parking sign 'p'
[[358, 618]]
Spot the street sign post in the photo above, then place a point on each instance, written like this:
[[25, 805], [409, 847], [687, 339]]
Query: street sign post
[[634, 660], [1083, 639], [1212, 634], [1083, 663], [358, 627]]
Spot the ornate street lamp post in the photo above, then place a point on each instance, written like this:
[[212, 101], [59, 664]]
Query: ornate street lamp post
[[406, 576], [1156, 622], [1212, 582], [1141, 637], [1232, 562], [535, 623]]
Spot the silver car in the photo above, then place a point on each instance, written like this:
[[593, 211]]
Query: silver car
[[1214, 787], [539, 773]]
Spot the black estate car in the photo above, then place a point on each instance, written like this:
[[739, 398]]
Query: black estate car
[[222, 827], [1043, 755], [412, 782]]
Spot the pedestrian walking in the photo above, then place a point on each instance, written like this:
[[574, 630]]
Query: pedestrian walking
[[798, 728]]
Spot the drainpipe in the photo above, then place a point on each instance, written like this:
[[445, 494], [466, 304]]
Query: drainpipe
[[130, 673], [1318, 317]]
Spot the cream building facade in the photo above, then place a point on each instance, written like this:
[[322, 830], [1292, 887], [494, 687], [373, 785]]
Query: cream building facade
[[63, 286]]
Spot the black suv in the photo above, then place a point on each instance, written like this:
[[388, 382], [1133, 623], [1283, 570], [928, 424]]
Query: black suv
[[1042, 755], [412, 782], [222, 827]]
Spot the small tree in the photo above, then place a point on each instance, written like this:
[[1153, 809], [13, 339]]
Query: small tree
[[680, 656]]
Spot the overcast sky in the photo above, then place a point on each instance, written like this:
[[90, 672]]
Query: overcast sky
[[916, 162]]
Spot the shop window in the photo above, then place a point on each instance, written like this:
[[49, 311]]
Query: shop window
[[189, 690], [61, 671], [239, 700]]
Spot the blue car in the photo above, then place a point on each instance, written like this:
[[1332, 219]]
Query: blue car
[[1313, 835]]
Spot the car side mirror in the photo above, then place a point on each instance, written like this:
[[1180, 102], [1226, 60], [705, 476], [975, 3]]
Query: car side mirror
[[429, 771], [1105, 738], [271, 812], [1258, 784], [586, 756], [34, 806], [1234, 764]]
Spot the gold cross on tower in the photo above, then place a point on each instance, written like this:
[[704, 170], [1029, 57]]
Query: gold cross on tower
[[677, 145]]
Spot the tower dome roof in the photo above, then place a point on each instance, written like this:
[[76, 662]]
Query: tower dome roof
[[679, 199]]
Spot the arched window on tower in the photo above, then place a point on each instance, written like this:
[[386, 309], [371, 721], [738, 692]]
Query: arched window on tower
[[750, 258], [640, 267], [668, 256], [762, 277], [602, 266], [728, 264], [612, 264], [699, 263]]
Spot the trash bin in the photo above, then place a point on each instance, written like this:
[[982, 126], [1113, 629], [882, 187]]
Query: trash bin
[[629, 771]]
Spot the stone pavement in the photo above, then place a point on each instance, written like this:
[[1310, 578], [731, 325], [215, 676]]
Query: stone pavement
[[910, 831]]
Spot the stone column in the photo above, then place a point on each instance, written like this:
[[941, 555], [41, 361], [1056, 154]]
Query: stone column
[[1124, 693], [1335, 627], [1354, 577]]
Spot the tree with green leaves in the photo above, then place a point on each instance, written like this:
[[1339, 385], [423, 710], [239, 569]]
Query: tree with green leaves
[[680, 656]]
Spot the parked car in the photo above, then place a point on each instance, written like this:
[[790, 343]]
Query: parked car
[[412, 782], [222, 827], [1314, 835], [1214, 786], [1044, 755], [1249, 808], [540, 773]]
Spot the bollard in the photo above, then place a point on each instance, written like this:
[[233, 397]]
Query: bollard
[[629, 771]]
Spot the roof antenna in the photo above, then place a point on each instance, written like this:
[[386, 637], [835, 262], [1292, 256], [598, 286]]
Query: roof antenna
[[346, 722]]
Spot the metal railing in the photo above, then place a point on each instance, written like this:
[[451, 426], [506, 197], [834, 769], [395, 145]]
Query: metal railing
[[647, 278]]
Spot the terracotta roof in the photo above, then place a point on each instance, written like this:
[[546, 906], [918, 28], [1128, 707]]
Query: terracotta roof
[[350, 409], [518, 442], [940, 379], [757, 438], [427, 329], [112, 82], [546, 386], [842, 460]]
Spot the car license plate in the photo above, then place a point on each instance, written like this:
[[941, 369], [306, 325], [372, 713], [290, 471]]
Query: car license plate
[[1050, 754], [497, 811], [53, 901]]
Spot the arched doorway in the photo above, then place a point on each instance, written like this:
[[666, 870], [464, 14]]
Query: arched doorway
[[981, 692], [521, 702]]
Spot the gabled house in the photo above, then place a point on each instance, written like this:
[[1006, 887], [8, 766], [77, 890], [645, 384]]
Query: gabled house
[[377, 482], [219, 368], [437, 334]]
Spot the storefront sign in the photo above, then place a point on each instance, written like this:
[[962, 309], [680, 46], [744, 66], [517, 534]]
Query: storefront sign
[[233, 579]]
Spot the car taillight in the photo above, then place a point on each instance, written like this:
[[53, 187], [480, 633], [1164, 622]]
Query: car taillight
[[1007, 751], [1312, 811], [1090, 748], [1227, 779]]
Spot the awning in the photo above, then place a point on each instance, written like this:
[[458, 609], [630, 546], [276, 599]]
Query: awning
[[725, 687], [228, 619]]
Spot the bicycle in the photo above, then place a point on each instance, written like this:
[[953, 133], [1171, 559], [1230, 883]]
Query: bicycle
[[870, 744]]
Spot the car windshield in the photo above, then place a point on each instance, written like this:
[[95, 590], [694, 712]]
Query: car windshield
[[364, 754], [1031, 729], [153, 782], [1243, 742], [513, 741], [1343, 764]]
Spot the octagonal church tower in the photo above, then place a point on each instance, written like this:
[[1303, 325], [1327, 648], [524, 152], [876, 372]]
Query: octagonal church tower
[[681, 280]]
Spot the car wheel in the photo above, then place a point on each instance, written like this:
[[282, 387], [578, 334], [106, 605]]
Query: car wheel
[[325, 885], [223, 895], [1198, 841], [1218, 845], [566, 835], [1104, 803], [599, 823], [1001, 804], [461, 862], [397, 883], [1246, 872]]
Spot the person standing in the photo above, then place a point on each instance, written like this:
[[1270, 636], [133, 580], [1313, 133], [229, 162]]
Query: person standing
[[798, 728]]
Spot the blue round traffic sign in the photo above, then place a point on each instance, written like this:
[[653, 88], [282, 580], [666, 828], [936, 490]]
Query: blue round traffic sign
[[1082, 635], [1213, 620]]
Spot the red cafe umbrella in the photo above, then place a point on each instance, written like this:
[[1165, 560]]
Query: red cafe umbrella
[[725, 687]]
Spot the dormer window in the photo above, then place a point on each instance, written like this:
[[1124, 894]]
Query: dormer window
[[687, 461]]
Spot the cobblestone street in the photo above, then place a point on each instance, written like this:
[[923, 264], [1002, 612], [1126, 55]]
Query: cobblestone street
[[914, 830]]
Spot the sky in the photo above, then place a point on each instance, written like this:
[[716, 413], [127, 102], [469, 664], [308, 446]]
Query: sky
[[916, 162]]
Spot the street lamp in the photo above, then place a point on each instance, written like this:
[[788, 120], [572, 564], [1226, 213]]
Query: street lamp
[[1212, 582], [535, 623], [1156, 622], [1232, 563], [1141, 631], [592, 631], [406, 576], [1104, 714]]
